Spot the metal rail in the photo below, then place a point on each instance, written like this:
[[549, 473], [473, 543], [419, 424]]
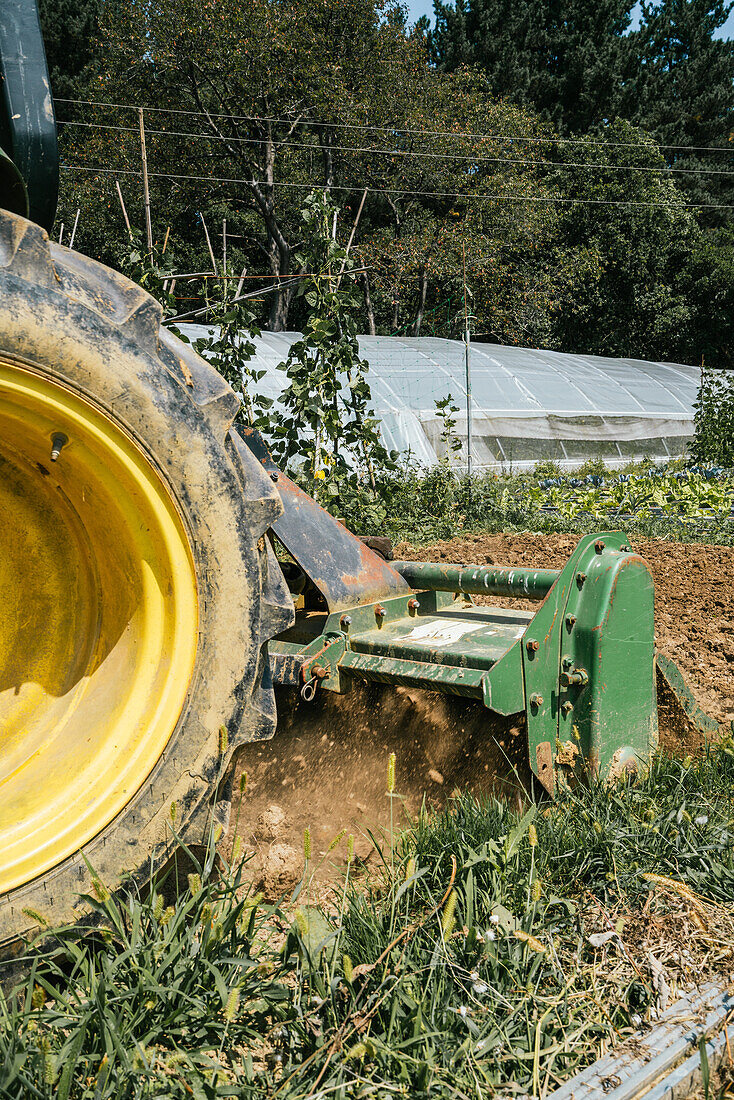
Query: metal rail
[[476, 580], [657, 1064]]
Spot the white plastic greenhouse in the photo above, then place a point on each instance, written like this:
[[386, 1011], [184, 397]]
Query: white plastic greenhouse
[[527, 405]]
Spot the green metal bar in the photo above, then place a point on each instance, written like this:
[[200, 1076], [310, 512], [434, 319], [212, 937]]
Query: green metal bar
[[433, 677], [478, 580]]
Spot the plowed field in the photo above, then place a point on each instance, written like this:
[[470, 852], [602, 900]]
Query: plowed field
[[325, 769], [694, 599]]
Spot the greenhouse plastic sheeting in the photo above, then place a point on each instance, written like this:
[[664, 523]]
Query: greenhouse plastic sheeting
[[527, 405]]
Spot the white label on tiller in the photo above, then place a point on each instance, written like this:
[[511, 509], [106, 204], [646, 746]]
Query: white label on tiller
[[441, 632]]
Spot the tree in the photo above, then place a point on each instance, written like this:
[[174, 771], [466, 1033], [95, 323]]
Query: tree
[[567, 59], [682, 93], [268, 81], [71, 37], [629, 234], [369, 124], [468, 193], [707, 281]]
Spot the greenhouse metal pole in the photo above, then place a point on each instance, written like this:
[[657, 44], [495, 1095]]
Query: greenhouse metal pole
[[467, 366], [467, 358]]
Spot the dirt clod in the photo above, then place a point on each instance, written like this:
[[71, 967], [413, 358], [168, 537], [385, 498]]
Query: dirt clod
[[270, 822], [281, 870]]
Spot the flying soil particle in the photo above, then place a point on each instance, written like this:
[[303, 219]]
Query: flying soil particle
[[326, 769]]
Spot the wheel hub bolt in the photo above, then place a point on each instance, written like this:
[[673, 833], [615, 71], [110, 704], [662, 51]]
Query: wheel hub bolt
[[413, 604], [532, 646], [536, 700]]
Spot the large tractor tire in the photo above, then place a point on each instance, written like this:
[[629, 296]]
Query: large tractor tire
[[138, 590]]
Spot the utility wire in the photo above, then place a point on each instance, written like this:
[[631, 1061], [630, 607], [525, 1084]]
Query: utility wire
[[394, 130], [384, 152], [281, 284], [404, 192]]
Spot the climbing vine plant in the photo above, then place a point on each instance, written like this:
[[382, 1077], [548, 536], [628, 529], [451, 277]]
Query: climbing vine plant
[[328, 436]]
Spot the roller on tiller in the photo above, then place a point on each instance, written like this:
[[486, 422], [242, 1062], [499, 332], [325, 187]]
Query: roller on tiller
[[145, 619]]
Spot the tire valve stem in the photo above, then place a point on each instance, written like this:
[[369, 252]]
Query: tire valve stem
[[58, 442]]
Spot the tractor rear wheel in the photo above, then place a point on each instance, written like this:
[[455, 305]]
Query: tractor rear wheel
[[138, 591]]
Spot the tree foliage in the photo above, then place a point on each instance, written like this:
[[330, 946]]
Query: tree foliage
[[270, 79], [71, 36], [634, 232], [533, 162], [567, 60], [682, 92]]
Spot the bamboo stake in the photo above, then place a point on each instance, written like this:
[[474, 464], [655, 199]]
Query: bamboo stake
[[146, 191], [242, 279], [467, 365], [351, 235], [209, 244], [73, 232], [124, 210]]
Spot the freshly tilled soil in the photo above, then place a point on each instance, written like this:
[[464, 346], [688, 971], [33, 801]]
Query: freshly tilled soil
[[326, 768], [694, 598]]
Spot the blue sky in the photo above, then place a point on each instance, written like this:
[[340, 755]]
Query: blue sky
[[417, 8]]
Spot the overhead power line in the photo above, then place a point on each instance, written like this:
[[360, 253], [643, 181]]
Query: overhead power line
[[395, 129], [469, 197], [420, 154]]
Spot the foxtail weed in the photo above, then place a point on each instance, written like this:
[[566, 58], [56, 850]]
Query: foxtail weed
[[232, 1005], [391, 773], [448, 917]]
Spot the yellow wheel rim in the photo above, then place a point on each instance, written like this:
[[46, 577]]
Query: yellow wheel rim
[[98, 622]]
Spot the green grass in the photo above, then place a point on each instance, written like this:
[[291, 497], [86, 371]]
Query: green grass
[[462, 969]]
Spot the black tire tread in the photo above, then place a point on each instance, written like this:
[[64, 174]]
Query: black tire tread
[[103, 306]]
